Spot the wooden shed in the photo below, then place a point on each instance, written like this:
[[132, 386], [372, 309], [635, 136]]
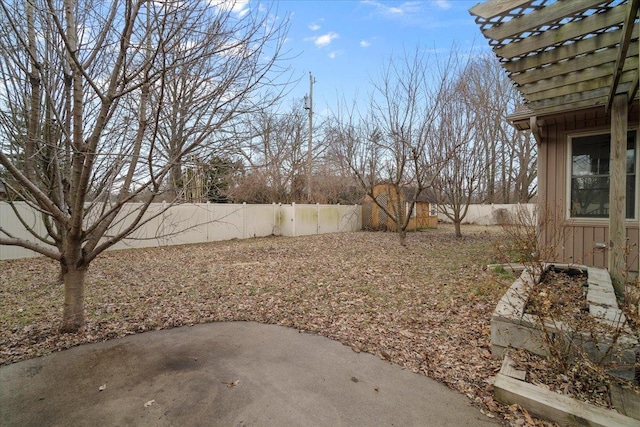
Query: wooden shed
[[576, 66], [423, 215]]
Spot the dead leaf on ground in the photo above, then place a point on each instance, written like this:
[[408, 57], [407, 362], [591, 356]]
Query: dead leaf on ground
[[232, 384], [396, 306]]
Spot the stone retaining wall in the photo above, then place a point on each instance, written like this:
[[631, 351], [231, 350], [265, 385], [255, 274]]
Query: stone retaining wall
[[512, 327]]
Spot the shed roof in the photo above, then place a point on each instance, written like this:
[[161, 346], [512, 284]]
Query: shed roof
[[409, 192], [565, 55], [427, 195]]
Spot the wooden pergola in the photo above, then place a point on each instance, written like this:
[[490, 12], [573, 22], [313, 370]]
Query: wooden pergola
[[568, 55]]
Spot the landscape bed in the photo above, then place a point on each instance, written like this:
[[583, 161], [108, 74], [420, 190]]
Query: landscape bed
[[586, 332]]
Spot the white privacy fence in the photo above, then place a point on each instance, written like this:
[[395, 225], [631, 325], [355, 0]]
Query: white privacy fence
[[200, 223], [491, 214]]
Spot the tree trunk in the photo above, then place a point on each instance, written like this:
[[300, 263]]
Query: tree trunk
[[402, 234], [456, 225], [175, 182], [73, 316]]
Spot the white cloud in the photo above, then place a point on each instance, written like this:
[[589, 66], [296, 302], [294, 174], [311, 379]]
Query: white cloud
[[442, 4], [239, 7], [402, 9], [334, 54], [316, 25], [324, 40], [365, 43]]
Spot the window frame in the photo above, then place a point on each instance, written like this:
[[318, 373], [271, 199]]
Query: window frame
[[569, 176], [407, 206]]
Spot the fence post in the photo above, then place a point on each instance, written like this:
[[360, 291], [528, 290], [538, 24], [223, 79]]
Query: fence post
[[244, 220], [293, 219], [274, 219], [207, 225], [317, 218], [163, 237]]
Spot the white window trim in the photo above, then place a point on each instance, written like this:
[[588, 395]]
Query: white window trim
[[413, 212], [569, 171]]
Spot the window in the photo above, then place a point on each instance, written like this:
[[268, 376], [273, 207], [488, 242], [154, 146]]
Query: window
[[433, 209], [413, 211], [590, 176]]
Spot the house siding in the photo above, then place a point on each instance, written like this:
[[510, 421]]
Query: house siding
[[577, 237]]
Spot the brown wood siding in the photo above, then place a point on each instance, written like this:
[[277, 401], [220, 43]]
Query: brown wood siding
[[580, 236], [581, 239], [422, 218]]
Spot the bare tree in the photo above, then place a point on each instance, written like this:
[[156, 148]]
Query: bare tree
[[493, 161], [213, 179], [274, 144], [509, 155], [524, 174], [389, 143], [332, 184], [459, 178], [101, 101]]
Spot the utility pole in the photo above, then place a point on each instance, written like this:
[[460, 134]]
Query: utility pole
[[308, 105]]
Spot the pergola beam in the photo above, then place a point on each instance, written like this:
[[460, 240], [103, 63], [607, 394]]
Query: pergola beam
[[566, 101], [623, 48], [582, 105], [595, 74], [572, 30], [605, 58], [572, 50], [564, 85], [494, 8], [600, 93], [545, 16]]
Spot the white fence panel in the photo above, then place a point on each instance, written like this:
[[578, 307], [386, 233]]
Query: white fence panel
[[10, 222], [184, 224], [199, 223], [306, 219], [338, 217], [350, 218], [151, 234], [225, 221], [260, 220], [489, 214], [286, 221], [328, 218]]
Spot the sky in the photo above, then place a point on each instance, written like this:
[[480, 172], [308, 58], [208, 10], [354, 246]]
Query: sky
[[345, 43]]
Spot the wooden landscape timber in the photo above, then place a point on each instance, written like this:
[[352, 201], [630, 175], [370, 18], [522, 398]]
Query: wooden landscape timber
[[511, 388]]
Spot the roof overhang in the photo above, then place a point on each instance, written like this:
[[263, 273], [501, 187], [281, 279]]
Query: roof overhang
[[565, 55]]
